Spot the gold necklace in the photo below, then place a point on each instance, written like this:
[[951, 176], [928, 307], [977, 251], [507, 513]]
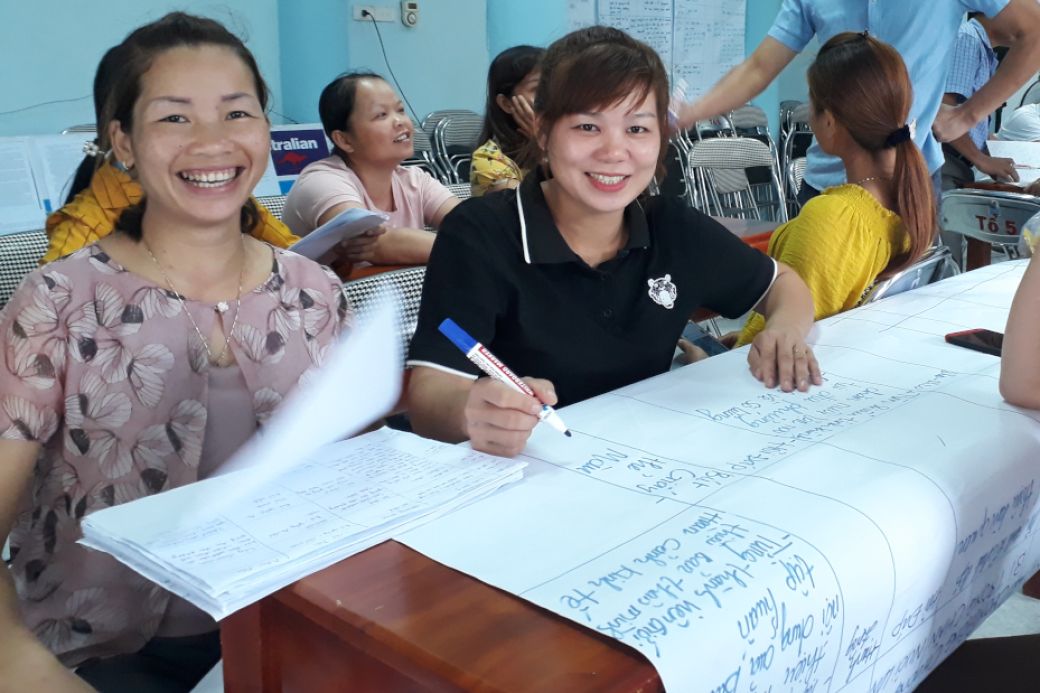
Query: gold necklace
[[861, 181], [221, 306]]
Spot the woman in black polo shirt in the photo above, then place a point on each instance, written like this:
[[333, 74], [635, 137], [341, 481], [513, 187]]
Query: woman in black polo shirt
[[572, 278]]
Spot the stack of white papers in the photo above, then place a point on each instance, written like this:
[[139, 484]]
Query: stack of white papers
[[338, 501], [346, 225]]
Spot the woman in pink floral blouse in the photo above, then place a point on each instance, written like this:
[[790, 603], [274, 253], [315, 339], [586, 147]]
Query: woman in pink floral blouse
[[138, 364]]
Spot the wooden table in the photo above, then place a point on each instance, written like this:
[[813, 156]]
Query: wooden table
[[390, 619]]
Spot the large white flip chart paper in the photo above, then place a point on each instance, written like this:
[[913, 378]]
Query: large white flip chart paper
[[746, 540]]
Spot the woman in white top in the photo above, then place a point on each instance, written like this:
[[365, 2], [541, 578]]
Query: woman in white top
[[371, 135]]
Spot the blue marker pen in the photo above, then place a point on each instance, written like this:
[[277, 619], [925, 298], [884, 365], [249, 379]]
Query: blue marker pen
[[486, 361]]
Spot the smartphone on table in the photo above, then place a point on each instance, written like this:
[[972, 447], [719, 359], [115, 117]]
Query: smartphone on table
[[986, 341]]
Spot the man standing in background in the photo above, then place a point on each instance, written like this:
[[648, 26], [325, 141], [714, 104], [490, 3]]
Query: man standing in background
[[972, 65], [923, 33]]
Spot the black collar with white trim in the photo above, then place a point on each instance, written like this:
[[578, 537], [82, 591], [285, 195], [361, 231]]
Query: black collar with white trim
[[541, 239]]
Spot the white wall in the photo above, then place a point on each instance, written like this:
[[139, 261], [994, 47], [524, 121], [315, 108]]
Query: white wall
[[49, 50]]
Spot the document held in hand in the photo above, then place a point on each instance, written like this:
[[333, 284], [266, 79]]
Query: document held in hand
[[348, 224], [292, 500]]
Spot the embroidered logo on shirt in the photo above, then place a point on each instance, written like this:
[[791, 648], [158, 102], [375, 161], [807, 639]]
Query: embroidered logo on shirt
[[663, 291]]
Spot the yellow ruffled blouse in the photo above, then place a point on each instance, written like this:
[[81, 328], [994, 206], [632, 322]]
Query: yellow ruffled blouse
[[842, 240]]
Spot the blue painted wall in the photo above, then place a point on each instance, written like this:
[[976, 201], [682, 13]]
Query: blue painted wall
[[49, 50], [301, 45]]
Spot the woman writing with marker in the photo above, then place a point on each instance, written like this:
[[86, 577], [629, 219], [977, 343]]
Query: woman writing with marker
[[572, 278]]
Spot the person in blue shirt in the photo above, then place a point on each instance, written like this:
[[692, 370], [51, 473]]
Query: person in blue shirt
[[973, 64], [922, 32]]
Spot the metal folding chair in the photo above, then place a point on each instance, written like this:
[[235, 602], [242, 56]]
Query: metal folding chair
[[20, 254], [990, 216], [463, 191], [275, 204], [366, 293], [454, 140], [933, 266], [1032, 94], [718, 171]]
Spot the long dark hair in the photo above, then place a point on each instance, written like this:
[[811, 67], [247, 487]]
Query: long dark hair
[[107, 70], [509, 69], [336, 105], [137, 53], [863, 82], [595, 67]]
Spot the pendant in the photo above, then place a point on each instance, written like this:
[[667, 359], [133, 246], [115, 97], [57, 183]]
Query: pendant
[[221, 307]]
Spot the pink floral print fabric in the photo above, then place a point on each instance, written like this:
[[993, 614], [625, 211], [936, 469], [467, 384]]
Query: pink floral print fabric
[[103, 369]]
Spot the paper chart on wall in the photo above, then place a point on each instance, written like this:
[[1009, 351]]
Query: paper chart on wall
[[746, 540], [698, 40], [580, 13], [55, 159], [19, 201]]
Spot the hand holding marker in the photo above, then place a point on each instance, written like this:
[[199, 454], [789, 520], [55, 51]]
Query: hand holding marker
[[485, 361]]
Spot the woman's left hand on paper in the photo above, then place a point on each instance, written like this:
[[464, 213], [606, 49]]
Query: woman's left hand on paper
[[780, 356]]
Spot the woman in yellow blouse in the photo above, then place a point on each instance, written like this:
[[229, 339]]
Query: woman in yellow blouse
[[505, 156], [102, 189], [883, 219]]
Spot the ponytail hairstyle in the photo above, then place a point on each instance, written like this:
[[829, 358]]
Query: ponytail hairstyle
[[136, 54], [507, 71], [863, 82], [96, 151]]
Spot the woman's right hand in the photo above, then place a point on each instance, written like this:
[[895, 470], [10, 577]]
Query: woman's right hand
[[499, 420]]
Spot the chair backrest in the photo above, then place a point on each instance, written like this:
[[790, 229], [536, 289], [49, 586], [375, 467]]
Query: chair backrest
[[718, 168], [463, 191], [366, 293], [750, 118], [934, 265], [275, 204], [20, 254], [730, 153], [82, 127], [1032, 94], [454, 140], [429, 123], [988, 215]]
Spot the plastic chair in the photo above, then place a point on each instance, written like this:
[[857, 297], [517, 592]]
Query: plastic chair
[[365, 293], [718, 169], [20, 254], [933, 266], [275, 204]]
